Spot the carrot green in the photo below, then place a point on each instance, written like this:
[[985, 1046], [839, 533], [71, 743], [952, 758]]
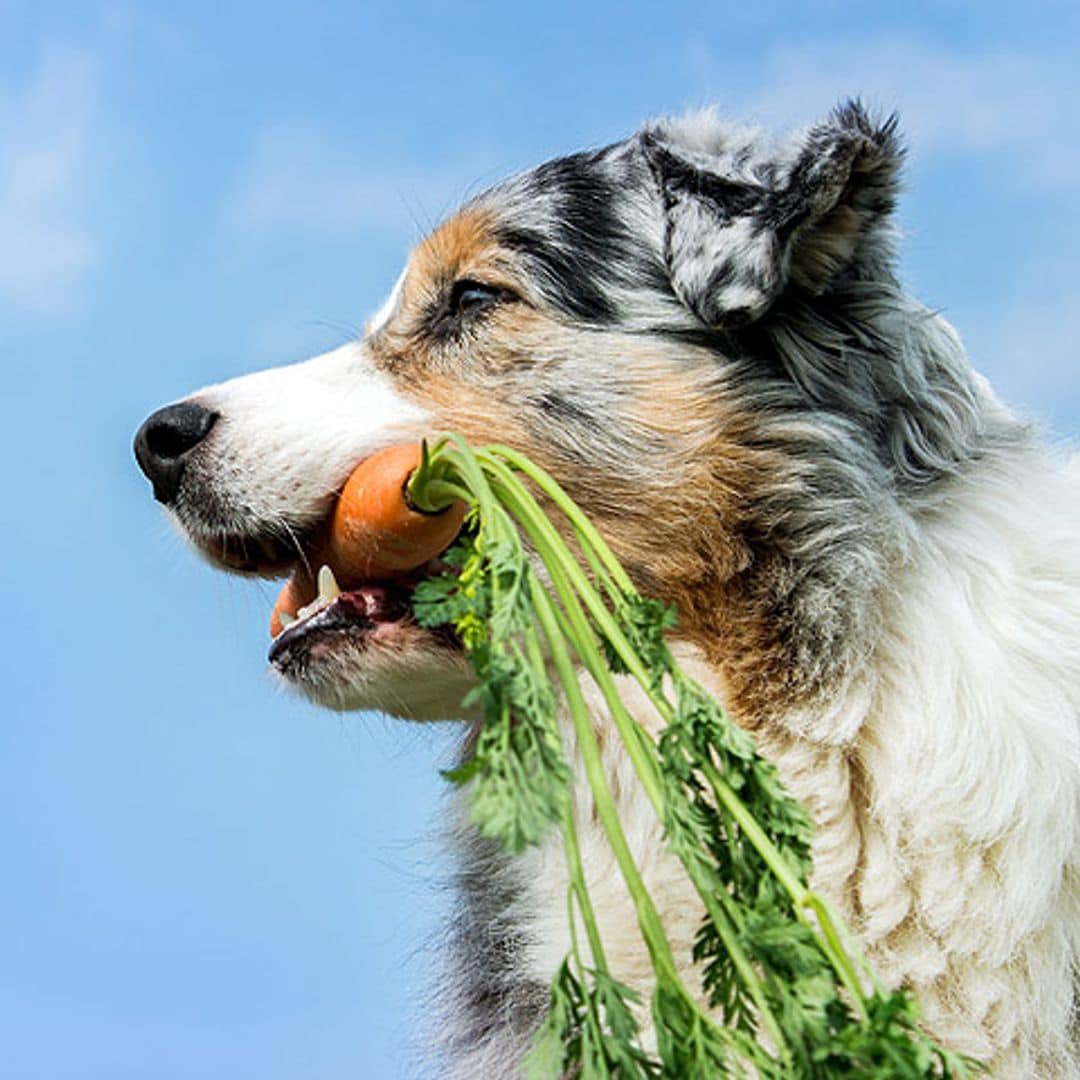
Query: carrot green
[[788, 994]]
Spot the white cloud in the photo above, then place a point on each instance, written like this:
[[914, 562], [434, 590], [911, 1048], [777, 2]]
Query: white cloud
[[45, 164], [299, 177], [1000, 100]]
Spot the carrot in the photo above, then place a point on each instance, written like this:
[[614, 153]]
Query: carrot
[[295, 593], [375, 533]]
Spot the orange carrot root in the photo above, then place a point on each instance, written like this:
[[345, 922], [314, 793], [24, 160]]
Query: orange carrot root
[[296, 592], [375, 532]]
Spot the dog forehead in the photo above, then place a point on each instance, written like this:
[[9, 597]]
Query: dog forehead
[[580, 234], [573, 198], [574, 194], [466, 239], [583, 230]]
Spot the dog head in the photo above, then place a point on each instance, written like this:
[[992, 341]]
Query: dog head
[[687, 328]]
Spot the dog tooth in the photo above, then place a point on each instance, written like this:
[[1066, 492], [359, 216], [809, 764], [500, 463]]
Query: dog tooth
[[287, 620], [328, 587], [315, 606]]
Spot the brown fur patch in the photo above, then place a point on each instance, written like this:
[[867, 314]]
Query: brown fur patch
[[460, 246], [463, 247]]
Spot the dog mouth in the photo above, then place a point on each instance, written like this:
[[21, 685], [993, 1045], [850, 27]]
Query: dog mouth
[[353, 615], [349, 619]]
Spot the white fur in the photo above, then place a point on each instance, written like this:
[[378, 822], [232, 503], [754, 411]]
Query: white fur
[[388, 306], [287, 437]]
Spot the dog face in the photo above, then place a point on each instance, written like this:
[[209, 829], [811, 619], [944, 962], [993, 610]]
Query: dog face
[[675, 326]]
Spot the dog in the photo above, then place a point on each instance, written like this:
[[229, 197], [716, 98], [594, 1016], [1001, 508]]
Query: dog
[[700, 332]]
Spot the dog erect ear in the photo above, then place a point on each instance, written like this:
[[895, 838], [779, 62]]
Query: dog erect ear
[[744, 221]]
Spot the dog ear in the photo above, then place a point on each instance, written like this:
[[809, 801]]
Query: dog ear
[[743, 222]]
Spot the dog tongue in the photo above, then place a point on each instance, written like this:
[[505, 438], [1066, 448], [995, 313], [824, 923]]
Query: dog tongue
[[296, 592]]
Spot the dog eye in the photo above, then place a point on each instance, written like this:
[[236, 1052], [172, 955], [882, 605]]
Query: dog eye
[[469, 296]]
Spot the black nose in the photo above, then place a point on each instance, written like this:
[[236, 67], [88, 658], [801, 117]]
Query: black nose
[[164, 441]]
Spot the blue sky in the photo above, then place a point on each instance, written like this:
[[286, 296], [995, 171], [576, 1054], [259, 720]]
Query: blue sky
[[203, 877]]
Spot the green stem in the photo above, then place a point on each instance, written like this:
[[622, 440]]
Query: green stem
[[838, 953], [582, 974], [551, 546], [580, 887], [469, 468], [581, 524], [570, 837], [648, 918], [803, 899], [556, 547], [543, 535], [437, 496]]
